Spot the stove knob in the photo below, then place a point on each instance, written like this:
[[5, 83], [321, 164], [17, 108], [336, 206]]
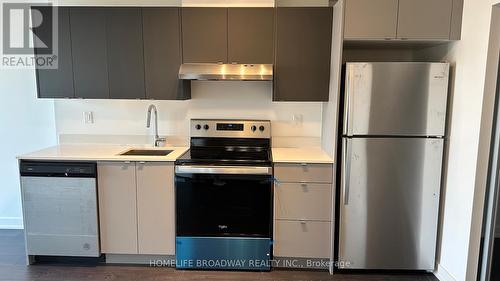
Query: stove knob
[[254, 128], [198, 127], [206, 127], [261, 128]]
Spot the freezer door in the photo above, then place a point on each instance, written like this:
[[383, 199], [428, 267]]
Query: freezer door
[[389, 203], [395, 99]]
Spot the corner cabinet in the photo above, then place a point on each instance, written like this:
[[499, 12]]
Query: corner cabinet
[[420, 20], [303, 51], [136, 207]]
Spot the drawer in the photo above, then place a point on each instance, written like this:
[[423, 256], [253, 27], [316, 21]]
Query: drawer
[[302, 239], [320, 173], [303, 201]]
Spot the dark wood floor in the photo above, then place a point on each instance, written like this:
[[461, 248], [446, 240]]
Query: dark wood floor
[[13, 268]]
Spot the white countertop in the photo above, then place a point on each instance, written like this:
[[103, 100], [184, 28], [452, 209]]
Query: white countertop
[[301, 155], [88, 152]]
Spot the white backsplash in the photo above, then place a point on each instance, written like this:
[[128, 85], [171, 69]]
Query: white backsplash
[[122, 121]]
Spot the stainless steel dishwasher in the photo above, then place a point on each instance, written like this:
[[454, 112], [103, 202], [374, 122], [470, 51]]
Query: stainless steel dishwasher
[[60, 208]]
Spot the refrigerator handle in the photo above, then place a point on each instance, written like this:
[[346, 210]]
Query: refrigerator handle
[[346, 168]]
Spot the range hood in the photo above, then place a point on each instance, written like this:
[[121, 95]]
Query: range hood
[[226, 72]]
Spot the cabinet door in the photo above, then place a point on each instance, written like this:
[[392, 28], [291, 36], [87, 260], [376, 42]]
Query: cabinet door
[[125, 56], [302, 70], [204, 35], [162, 53], [250, 35], [56, 83], [156, 208], [117, 207], [424, 19], [371, 19], [88, 45]]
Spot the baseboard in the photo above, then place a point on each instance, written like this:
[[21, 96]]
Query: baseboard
[[11, 223], [443, 274]]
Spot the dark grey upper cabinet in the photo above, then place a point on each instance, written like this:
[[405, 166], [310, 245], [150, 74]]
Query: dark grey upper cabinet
[[204, 35], [89, 48], [420, 20], [58, 82], [125, 55], [303, 50], [370, 19], [424, 19], [162, 53], [250, 35]]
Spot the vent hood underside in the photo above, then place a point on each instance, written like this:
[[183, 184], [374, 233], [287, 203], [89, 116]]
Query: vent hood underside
[[226, 72]]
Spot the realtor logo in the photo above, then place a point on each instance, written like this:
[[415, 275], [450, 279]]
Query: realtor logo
[[29, 35]]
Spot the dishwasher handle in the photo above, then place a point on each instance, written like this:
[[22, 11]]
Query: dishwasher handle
[[58, 169]]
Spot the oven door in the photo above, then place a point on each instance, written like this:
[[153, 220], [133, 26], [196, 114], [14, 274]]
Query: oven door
[[223, 201]]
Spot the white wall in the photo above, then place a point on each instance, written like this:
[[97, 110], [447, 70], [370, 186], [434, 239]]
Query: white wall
[[239, 100], [26, 124], [457, 253]]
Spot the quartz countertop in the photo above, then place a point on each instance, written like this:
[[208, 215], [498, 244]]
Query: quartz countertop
[[301, 155], [88, 152]]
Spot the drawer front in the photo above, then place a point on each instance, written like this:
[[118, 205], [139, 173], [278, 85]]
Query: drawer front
[[306, 239], [319, 173], [303, 201]]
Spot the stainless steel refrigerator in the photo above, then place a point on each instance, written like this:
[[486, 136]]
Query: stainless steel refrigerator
[[392, 149]]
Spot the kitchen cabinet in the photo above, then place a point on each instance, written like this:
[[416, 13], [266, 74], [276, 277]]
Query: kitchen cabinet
[[204, 35], [424, 19], [251, 35], [125, 53], [302, 239], [55, 83], [303, 210], [90, 53], [156, 208], [136, 207], [303, 50], [371, 19], [163, 54], [117, 207]]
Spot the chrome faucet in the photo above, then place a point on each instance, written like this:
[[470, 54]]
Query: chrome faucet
[[158, 140]]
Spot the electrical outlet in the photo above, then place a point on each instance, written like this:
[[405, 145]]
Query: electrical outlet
[[88, 117]]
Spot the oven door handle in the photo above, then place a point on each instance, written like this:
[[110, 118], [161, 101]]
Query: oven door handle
[[227, 170]]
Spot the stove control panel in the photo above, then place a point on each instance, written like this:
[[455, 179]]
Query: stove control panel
[[220, 128]]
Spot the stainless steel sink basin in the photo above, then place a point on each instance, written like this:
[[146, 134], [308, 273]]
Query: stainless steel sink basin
[[147, 152]]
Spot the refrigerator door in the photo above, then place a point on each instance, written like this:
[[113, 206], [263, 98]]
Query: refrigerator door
[[395, 99], [389, 203]]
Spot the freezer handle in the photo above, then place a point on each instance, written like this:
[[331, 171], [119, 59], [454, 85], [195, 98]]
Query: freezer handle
[[346, 169]]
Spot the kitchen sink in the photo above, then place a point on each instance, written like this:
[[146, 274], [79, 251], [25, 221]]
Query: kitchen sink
[[147, 152]]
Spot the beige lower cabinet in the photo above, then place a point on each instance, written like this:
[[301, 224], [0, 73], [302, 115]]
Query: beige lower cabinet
[[136, 207], [303, 210], [117, 207], [156, 208], [302, 239]]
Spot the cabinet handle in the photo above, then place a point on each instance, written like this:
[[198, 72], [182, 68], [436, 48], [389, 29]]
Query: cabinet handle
[[142, 162]]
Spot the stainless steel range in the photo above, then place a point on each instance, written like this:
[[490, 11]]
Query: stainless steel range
[[224, 196]]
